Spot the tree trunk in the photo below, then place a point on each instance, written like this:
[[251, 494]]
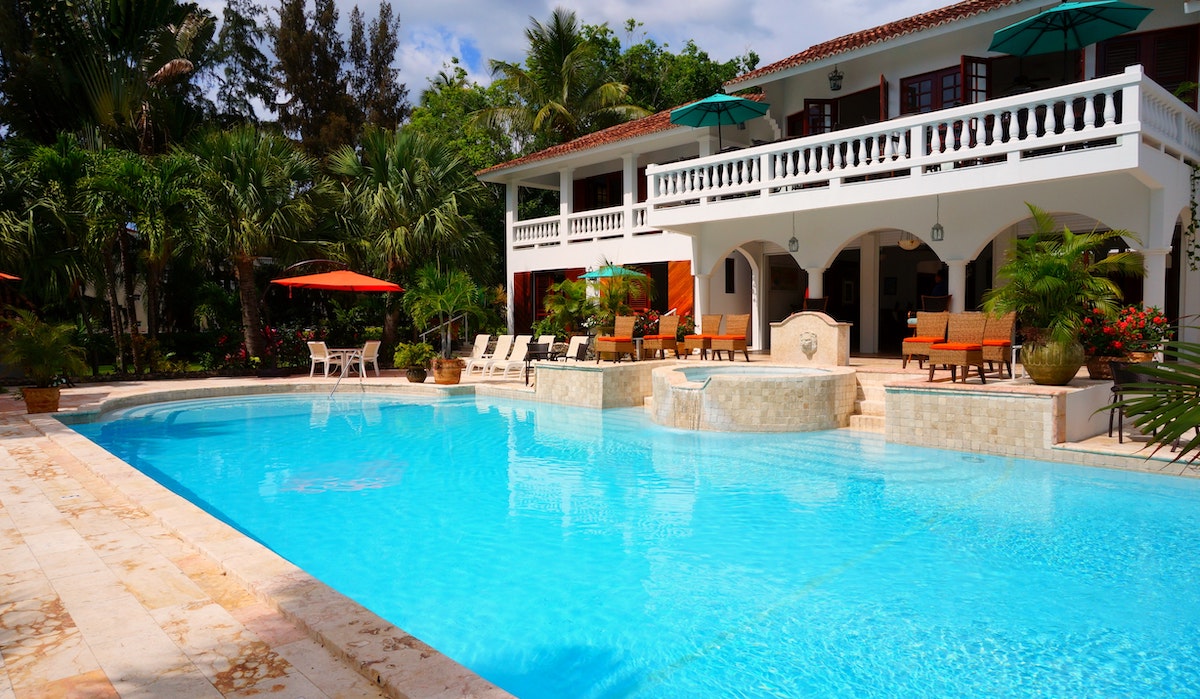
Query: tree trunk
[[251, 317], [115, 315], [129, 280]]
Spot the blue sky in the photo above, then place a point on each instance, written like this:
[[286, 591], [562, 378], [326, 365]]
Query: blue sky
[[478, 30]]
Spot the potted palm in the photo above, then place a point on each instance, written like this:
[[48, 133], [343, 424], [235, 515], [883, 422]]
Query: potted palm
[[1053, 281], [444, 297], [43, 351], [414, 358]]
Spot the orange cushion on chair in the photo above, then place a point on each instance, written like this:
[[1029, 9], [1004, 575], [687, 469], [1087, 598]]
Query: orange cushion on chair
[[728, 337], [997, 343], [957, 346], [659, 337], [699, 337], [924, 339], [614, 339]]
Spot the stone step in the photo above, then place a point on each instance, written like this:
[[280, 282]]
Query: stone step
[[867, 423], [872, 407]]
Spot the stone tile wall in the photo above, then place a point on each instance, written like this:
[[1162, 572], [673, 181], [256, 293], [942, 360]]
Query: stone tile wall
[[589, 385]]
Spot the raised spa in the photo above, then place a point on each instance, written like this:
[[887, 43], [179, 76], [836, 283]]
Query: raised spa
[[762, 398]]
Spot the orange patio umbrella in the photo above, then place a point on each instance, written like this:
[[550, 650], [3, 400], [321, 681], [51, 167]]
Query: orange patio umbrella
[[9, 277], [338, 280]]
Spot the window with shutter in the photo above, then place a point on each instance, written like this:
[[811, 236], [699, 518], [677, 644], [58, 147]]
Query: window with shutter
[[1169, 56]]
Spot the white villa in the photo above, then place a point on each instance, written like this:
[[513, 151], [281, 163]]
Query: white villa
[[886, 157]]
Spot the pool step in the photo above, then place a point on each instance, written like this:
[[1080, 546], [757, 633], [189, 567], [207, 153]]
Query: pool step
[[867, 423]]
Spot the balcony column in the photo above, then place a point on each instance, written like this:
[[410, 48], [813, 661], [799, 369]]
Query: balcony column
[[868, 294], [566, 200], [1002, 244], [510, 222], [629, 188], [1154, 285], [816, 281], [956, 281]]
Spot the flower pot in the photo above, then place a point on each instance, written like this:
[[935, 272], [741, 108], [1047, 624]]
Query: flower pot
[[41, 400], [447, 371], [1098, 367], [417, 374], [1051, 363], [1136, 357]]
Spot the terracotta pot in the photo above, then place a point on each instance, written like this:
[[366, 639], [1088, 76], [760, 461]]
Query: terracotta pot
[[416, 374], [1051, 363], [1136, 357], [447, 371], [41, 400], [1098, 367]]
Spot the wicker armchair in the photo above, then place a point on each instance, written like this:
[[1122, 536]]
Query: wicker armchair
[[734, 338], [998, 342], [664, 340], [963, 346], [931, 328], [620, 342], [710, 327]]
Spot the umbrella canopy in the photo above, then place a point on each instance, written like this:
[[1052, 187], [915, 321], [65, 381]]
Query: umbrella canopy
[[1069, 26], [717, 110], [609, 271], [9, 277], [339, 280]]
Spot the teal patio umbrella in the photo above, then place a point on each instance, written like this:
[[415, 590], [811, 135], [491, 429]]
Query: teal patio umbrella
[[609, 271], [1068, 26], [717, 110]]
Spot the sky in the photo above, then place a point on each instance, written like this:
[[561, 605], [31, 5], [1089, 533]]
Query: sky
[[432, 32]]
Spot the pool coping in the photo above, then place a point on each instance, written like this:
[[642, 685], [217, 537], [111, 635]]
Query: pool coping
[[397, 662]]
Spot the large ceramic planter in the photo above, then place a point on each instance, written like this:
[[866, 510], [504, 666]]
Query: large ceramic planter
[[417, 374], [1052, 363], [1098, 367], [41, 400], [447, 371]]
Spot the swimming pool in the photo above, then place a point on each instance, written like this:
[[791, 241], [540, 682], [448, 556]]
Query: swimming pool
[[569, 552]]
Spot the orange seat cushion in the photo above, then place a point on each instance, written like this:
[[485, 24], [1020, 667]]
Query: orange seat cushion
[[728, 337], [924, 339], [997, 343], [699, 337], [659, 337], [614, 339], [957, 346]]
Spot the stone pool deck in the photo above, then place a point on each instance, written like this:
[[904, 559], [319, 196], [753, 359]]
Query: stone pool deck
[[110, 586]]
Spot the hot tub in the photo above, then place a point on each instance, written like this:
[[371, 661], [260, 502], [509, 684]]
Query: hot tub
[[753, 398]]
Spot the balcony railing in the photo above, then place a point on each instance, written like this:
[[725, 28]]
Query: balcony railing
[[581, 226], [1096, 113]]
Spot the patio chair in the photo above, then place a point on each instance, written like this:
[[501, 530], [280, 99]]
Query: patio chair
[[549, 341], [620, 342], [369, 355], [515, 361], [576, 348], [710, 327], [963, 346], [931, 328], [998, 342], [318, 353], [935, 304], [479, 347], [503, 344], [664, 340], [1124, 376], [734, 338]]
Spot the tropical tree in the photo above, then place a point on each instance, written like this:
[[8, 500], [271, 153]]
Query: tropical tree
[[245, 74], [563, 90], [261, 201], [441, 296], [568, 304], [374, 83], [409, 197]]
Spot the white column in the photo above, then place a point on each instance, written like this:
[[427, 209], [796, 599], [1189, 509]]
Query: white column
[[708, 145], [868, 294], [1154, 286], [629, 188], [510, 220], [816, 281], [1001, 245], [700, 303], [1189, 300], [566, 200], [957, 283]]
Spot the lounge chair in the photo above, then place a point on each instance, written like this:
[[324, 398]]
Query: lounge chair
[[998, 342], [515, 361], [549, 341], [620, 342], [577, 348], [734, 338], [479, 348], [963, 346], [503, 344], [710, 327], [931, 328], [318, 353], [664, 340]]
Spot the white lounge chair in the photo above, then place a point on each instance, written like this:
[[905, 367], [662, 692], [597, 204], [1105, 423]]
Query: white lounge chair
[[547, 340], [479, 349], [503, 345], [318, 353], [577, 348], [515, 361], [369, 355]]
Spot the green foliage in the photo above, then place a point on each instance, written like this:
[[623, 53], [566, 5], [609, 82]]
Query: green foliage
[[414, 355], [374, 83], [567, 305], [1053, 280], [245, 74], [1169, 406], [549, 326], [445, 110], [42, 350], [437, 297]]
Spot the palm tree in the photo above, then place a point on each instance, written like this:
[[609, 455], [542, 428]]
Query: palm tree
[[562, 88], [441, 296], [409, 195], [261, 201], [1169, 405]]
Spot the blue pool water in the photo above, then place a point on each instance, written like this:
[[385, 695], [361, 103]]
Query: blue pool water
[[564, 552]]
